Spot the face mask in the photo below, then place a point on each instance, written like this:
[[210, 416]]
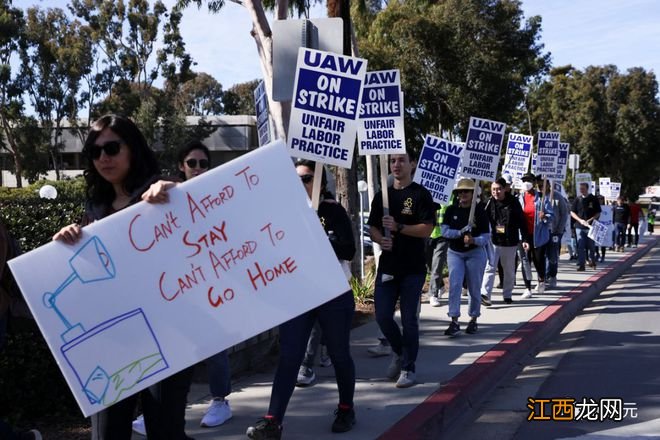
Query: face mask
[[527, 186]]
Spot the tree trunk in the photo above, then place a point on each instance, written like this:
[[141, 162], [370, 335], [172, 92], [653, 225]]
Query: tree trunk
[[18, 166]]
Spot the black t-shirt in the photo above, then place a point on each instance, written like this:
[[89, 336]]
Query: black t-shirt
[[457, 218], [621, 213], [585, 208], [411, 205]]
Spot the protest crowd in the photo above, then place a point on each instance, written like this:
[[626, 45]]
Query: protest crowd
[[498, 236]]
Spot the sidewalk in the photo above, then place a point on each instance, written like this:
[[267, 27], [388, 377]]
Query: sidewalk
[[452, 374]]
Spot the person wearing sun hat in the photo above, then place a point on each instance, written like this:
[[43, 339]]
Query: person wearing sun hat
[[466, 257]]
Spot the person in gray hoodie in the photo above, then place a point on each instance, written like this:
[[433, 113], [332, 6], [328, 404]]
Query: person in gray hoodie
[[561, 214]]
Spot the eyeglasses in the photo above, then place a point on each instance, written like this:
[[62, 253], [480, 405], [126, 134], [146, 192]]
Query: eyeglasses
[[306, 178], [110, 148], [192, 163], [463, 191]]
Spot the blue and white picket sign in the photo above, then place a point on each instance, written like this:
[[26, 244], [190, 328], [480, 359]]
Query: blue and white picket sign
[[599, 233], [381, 129], [535, 163], [438, 167], [615, 190], [325, 107], [517, 157], [562, 162], [548, 153], [482, 151], [604, 187], [261, 107]]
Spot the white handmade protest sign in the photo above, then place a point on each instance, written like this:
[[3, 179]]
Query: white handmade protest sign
[[153, 289], [381, 129], [615, 190], [261, 108], [324, 111], [437, 167], [517, 157], [598, 232], [562, 162], [547, 153], [482, 149], [604, 187]]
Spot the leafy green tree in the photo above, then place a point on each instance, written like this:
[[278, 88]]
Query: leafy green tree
[[458, 58], [12, 23], [201, 96], [611, 119], [54, 56], [239, 98]]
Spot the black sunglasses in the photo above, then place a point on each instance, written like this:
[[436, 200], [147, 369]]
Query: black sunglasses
[[111, 148], [192, 163], [306, 178], [463, 191]]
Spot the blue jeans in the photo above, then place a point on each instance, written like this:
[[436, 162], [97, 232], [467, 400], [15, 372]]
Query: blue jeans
[[585, 245], [407, 289], [219, 374], [471, 266], [335, 318], [552, 254], [620, 234]]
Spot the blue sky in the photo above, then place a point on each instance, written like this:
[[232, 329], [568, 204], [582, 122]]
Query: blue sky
[[578, 32]]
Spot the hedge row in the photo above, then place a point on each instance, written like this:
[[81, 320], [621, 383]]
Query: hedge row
[[31, 385]]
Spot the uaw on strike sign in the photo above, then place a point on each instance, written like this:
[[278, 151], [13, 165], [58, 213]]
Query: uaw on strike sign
[[381, 114], [482, 149], [327, 94]]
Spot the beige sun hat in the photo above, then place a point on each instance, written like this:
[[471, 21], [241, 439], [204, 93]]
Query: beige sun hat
[[465, 184]]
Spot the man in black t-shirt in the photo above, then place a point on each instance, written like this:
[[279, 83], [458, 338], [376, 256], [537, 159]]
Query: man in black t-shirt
[[621, 219], [585, 210], [401, 267]]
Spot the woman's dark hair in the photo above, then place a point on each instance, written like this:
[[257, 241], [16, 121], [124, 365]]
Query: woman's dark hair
[[143, 164], [186, 149], [325, 194]]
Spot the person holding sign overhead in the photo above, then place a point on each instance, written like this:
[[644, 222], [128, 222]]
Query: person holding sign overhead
[[402, 265], [335, 318], [121, 166], [466, 257]]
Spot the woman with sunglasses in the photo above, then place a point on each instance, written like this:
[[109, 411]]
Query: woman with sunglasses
[[335, 318], [121, 167], [466, 257]]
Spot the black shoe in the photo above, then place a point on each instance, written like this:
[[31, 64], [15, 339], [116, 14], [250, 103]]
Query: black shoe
[[580, 269], [453, 329], [344, 421], [472, 327], [485, 301], [508, 301], [265, 429]]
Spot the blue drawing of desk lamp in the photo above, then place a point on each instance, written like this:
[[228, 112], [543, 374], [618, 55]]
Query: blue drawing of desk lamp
[[90, 264]]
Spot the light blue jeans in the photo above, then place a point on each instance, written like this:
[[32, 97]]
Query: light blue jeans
[[469, 265]]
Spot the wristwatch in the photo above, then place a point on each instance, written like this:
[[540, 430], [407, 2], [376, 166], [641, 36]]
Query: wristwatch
[[399, 227]]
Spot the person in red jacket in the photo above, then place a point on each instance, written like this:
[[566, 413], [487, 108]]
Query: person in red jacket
[[633, 224]]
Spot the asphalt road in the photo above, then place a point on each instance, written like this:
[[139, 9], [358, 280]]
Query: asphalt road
[[610, 351]]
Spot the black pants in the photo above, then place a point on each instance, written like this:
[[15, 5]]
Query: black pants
[[537, 256], [163, 405]]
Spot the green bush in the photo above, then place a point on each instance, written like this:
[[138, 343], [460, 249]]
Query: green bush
[[31, 384], [363, 290]]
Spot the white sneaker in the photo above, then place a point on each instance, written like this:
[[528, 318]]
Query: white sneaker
[[138, 425], [540, 288], [464, 292], [305, 376], [324, 358], [434, 301], [527, 294], [394, 370], [406, 379], [379, 350], [217, 413]]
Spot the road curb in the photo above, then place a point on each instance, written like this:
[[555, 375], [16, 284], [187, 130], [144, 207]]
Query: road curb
[[432, 418]]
